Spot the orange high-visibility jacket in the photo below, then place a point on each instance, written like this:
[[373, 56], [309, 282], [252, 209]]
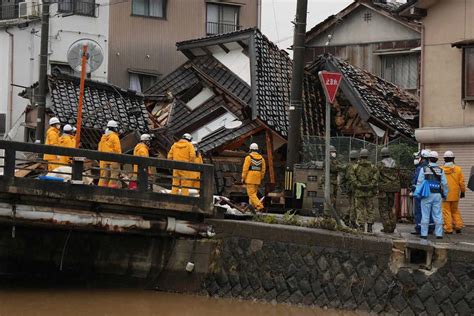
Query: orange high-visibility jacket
[[182, 150], [110, 143], [140, 150], [254, 168], [68, 141], [455, 179], [52, 139]]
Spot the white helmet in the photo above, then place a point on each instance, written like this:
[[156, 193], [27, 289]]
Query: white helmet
[[112, 124], [425, 153], [448, 154], [195, 143], [253, 146], [187, 136], [145, 137], [68, 128], [54, 121], [433, 154]]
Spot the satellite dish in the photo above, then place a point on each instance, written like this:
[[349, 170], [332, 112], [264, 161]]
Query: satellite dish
[[95, 55], [232, 124]]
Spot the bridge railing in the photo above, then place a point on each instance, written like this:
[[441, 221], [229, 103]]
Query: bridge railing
[[153, 177]]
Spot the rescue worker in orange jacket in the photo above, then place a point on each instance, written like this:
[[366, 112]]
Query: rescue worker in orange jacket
[[184, 151], [52, 139], [142, 149], [110, 143], [198, 160], [67, 140], [456, 190], [253, 173]]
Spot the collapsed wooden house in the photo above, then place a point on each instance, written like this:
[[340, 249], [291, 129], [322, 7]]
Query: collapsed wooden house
[[235, 89]]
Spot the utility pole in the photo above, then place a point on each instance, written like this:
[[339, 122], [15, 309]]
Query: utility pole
[[43, 73], [296, 95]]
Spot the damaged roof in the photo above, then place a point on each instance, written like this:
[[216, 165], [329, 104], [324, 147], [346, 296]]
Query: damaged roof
[[102, 102], [267, 99], [379, 102]]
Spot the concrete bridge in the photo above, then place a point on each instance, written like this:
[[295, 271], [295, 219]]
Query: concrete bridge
[[75, 205]]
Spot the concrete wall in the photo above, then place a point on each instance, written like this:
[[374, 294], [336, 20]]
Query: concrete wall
[[447, 22], [150, 43], [64, 32], [327, 269]]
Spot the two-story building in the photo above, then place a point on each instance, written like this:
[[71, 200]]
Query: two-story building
[[20, 28], [370, 35], [143, 34], [447, 82]]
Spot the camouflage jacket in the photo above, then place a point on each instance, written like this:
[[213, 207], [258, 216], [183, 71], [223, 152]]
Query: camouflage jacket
[[345, 180], [389, 177], [363, 179]]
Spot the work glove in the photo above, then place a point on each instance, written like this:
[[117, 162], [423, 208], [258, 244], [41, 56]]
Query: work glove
[[463, 195], [243, 181]]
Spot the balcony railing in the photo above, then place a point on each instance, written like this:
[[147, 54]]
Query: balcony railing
[[214, 28], [9, 11], [78, 7]]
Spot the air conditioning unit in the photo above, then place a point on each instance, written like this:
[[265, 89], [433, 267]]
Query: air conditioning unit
[[28, 9]]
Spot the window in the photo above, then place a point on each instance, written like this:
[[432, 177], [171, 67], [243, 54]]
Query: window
[[401, 70], [79, 7], [142, 82], [213, 126], [222, 18], [9, 9], [468, 73], [151, 8]]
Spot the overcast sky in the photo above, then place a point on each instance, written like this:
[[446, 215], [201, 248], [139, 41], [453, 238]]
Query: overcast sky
[[278, 14]]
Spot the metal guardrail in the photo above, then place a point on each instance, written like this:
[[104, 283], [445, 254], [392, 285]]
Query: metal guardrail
[[142, 197], [214, 28], [78, 7]]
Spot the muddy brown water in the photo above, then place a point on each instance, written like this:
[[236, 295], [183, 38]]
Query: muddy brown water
[[141, 303]]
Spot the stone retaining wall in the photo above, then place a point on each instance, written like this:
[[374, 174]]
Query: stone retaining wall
[[313, 267]]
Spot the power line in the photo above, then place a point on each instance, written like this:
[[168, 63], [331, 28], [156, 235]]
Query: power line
[[275, 20]]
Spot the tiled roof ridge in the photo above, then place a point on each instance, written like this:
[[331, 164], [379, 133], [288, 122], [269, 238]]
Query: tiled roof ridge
[[223, 35], [96, 84]]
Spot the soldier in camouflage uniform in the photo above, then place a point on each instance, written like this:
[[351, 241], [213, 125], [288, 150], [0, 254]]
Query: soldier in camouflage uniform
[[389, 184], [363, 179], [351, 216]]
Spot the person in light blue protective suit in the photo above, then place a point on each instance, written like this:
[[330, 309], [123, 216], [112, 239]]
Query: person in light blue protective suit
[[420, 161], [431, 204]]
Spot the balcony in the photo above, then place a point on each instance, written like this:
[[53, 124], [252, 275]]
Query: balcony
[[78, 7], [9, 11], [214, 28]]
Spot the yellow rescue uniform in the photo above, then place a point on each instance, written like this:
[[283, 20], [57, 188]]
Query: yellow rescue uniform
[[197, 175], [52, 139], [68, 141], [451, 213], [140, 150], [109, 171], [253, 173], [182, 150]]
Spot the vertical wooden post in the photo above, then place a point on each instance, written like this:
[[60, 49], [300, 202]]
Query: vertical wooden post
[[206, 192], [9, 163], [271, 167], [77, 168], [142, 177], [81, 95]]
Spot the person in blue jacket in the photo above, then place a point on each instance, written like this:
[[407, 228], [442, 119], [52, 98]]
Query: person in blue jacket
[[435, 178], [420, 161]]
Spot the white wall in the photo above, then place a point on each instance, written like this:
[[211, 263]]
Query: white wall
[[355, 30], [64, 31], [235, 60]]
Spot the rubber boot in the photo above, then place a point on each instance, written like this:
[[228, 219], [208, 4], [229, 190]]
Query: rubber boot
[[369, 228]]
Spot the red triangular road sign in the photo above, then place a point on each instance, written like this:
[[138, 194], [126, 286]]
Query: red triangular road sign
[[330, 82]]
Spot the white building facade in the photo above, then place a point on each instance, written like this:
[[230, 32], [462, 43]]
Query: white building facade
[[20, 36]]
